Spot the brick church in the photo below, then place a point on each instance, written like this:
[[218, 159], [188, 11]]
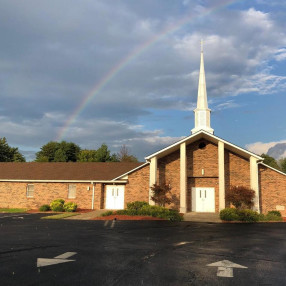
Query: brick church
[[199, 169]]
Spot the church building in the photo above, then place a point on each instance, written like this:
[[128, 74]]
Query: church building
[[199, 170]]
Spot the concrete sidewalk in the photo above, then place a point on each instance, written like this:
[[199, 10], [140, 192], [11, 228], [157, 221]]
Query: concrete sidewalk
[[192, 216], [202, 217], [88, 215]]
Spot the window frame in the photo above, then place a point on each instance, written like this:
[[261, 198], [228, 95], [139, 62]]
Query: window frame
[[69, 191], [30, 193]]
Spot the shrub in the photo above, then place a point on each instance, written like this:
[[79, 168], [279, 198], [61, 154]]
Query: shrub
[[273, 217], [229, 214], [248, 215], [57, 205], [241, 197], [44, 208], [136, 205], [70, 207], [144, 209], [107, 213], [276, 213]]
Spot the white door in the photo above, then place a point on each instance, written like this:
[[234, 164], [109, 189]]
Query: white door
[[114, 197], [203, 199]]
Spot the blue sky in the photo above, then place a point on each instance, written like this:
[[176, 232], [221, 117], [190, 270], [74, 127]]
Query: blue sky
[[53, 53]]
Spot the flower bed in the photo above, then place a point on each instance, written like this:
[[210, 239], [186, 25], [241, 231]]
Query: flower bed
[[127, 217]]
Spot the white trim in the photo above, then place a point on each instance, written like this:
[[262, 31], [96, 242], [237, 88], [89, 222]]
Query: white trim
[[202, 133], [133, 170], [272, 168], [59, 181]]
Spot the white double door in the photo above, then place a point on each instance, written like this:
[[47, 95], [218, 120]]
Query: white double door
[[203, 199], [114, 197]]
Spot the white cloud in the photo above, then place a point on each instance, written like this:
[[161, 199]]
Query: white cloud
[[261, 147]]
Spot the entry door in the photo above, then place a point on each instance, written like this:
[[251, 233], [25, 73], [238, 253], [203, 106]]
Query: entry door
[[114, 197], [203, 199]]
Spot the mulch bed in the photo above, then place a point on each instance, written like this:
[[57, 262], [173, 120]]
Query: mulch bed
[[127, 217]]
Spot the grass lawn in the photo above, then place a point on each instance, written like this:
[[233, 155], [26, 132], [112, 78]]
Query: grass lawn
[[60, 216], [5, 210]]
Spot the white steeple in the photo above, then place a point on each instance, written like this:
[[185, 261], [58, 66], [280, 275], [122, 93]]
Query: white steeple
[[202, 112]]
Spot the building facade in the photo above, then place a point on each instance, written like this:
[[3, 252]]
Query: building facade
[[199, 170]]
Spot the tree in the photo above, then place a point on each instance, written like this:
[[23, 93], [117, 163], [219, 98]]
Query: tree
[[9, 154], [87, 156], [160, 194], [270, 161], [240, 196], [102, 154], [282, 163], [58, 152], [124, 156]]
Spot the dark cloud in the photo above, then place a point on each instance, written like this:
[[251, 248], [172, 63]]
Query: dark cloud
[[54, 53]]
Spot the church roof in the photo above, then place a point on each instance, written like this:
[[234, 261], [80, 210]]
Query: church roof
[[208, 136], [71, 171]]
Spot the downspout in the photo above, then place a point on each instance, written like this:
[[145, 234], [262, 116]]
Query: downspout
[[92, 201]]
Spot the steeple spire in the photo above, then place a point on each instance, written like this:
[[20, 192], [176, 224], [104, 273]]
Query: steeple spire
[[202, 112]]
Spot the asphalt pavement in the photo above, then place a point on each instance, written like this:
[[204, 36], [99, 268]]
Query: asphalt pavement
[[72, 252]]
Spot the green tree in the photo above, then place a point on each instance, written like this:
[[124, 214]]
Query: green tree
[[9, 154], [282, 163], [58, 152], [103, 154], [270, 161], [87, 156], [124, 156]]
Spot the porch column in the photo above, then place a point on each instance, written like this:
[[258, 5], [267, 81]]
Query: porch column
[[254, 184], [183, 178], [221, 175], [153, 177]]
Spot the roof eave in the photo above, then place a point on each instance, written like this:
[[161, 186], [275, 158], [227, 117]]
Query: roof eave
[[198, 135]]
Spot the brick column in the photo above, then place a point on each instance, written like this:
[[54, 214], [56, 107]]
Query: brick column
[[153, 177], [221, 175], [254, 184], [183, 178]]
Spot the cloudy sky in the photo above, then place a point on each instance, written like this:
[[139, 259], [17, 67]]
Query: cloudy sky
[[126, 72]]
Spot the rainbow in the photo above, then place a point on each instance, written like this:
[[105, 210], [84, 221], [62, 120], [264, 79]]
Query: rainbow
[[123, 62]]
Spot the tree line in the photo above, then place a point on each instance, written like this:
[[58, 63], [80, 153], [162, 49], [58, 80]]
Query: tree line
[[66, 152], [70, 152]]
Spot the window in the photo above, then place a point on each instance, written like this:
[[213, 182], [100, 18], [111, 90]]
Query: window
[[30, 191], [202, 145], [72, 192]]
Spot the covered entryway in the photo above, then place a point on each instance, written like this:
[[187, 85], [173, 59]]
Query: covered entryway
[[114, 197], [203, 199]]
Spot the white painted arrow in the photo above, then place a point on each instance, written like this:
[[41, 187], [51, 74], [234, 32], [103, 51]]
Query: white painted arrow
[[225, 268], [41, 262]]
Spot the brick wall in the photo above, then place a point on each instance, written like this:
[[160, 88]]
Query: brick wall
[[169, 173], [272, 189], [13, 194], [198, 159], [137, 188]]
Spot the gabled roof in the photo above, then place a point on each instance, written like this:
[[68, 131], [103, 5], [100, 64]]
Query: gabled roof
[[208, 136], [93, 171], [278, 171]]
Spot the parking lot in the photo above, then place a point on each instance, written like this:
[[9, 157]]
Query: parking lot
[[67, 252]]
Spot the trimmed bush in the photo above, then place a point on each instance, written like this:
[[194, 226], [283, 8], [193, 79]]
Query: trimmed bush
[[70, 207], [248, 215], [44, 208], [154, 211], [136, 205], [276, 213], [107, 213], [229, 214], [57, 205]]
